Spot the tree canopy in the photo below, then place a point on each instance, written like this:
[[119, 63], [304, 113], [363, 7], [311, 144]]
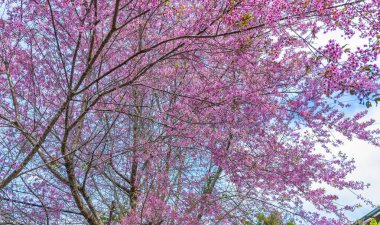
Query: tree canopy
[[180, 111]]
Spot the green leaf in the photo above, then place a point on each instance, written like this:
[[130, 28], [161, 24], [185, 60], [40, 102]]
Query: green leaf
[[84, 166], [247, 17], [347, 50], [367, 68], [373, 222], [104, 218], [308, 69]]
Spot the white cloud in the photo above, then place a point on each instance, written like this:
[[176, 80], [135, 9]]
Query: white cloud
[[367, 156]]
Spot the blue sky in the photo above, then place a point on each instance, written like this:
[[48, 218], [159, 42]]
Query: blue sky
[[367, 156]]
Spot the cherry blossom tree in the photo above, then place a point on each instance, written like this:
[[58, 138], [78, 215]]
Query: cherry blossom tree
[[180, 112]]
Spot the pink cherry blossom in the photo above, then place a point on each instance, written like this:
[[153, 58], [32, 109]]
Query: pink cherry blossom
[[181, 112]]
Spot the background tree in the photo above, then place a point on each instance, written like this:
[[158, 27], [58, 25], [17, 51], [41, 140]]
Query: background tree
[[179, 112]]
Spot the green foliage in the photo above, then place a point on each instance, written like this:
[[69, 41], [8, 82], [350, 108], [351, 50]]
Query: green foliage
[[246, 18], [374, 222], [274, 218], [105, 218], [247, 223]]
